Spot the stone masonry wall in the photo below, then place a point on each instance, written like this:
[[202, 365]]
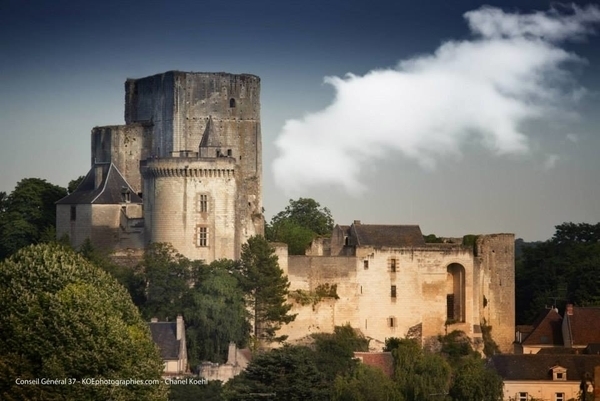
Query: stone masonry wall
[[496, 260], [172, 206]]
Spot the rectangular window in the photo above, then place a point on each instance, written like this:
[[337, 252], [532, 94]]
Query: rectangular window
[[203, 203], [559, 376], [393, 291], [202, 236], [522, 397], [73, 213], [559, 397], [391, 321], [393, 265], [366, 264]]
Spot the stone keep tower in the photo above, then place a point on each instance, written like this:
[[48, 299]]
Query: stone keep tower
[[201, 181], [191, 150]]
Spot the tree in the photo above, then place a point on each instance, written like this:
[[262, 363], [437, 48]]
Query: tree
[[283, 374], [365, 383], [62, 317], [28, 214], [560, 270], [215, 313], [335, 351], [266, 289], [73, 184], [472, 381], [166, 276], [419, 374], [301, 221]]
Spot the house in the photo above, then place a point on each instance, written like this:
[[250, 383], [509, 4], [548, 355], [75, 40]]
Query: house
[[580, 326], [170, 339], [544, 333], [544, 377]]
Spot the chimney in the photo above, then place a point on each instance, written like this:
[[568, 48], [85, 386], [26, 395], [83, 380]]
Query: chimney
[[357, 222], [569, 310], [154, 320], [179, 327]]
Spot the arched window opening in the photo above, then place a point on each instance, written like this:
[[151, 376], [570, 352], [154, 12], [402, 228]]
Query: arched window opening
[[232, 102], [455, 293]]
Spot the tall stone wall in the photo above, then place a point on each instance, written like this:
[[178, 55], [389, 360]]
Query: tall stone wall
[[151, 100], [124, 146], [496, 267]]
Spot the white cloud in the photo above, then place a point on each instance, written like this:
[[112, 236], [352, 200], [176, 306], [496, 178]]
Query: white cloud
[[550, 161], [429, 106]]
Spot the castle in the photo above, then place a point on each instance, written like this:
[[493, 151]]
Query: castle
[[186, 169]]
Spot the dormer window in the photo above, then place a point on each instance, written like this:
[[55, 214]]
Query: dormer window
[[125, 195], [559, 373]]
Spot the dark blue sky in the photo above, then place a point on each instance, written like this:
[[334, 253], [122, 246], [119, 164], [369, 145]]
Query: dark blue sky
[[63, 65]]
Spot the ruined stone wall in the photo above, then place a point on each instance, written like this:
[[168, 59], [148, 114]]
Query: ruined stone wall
[[124, 146], [366, 298], [173, 190], [496, 262], [151, 100]]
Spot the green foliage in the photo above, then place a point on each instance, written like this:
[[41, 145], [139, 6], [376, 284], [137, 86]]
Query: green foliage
[[432, 239], [266, 289], [284, 374], [314, 297], [472, 381], [28, 214], [212, 391], [490, 347], [210, 298], [166, 276], [73, 184], [301, 221], [365, 383], [62, 317], [563, 269], [215, 313], [335, 351], [419, 374], [455, 346], [296, 236]]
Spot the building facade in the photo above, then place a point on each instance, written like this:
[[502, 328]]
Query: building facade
[[189, 157], [390, 283]]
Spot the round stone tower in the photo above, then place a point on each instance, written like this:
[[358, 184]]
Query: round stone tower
[[202, 177]]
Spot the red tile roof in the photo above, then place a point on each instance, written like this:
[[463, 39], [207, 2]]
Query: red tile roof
[[547, 330], [381, 360], [585, 325]]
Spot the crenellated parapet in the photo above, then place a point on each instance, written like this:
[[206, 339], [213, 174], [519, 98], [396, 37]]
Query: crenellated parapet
[[189, 167]]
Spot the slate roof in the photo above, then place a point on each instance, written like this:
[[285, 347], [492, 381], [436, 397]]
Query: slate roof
[[537, 367], [164, 334], [547, 329], [584, 324], [210, 137], [108, 192], [387, 235]]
